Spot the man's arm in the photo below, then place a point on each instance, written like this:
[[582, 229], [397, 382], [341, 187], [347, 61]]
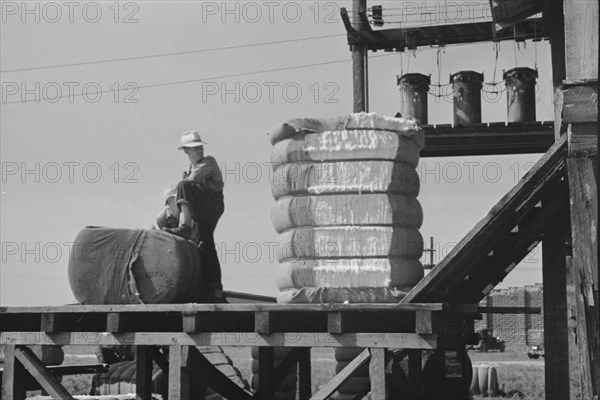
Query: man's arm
[[207, 174]]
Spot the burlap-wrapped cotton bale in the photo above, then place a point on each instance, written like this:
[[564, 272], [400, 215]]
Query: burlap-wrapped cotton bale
[[347, 212], [407, 127], [127, 266], [354, 272], [345, 177], [346, 145], [346, 209], [350, 242]]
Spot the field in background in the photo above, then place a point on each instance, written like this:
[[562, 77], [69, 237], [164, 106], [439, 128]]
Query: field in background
[[516, 373]]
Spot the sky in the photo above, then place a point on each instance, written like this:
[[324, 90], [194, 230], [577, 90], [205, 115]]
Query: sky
[[89, 124]]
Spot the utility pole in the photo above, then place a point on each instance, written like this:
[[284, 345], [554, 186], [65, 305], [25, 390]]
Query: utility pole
[[360, 61], [430, 250]]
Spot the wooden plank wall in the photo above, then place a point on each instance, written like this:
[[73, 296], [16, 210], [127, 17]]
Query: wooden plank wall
[[581, 33], [580, 115]]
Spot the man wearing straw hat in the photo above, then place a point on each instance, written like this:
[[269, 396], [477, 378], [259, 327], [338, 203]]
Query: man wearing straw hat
[[199, 197]]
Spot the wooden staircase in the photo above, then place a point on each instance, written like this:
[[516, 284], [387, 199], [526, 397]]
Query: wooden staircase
[[493, 248]]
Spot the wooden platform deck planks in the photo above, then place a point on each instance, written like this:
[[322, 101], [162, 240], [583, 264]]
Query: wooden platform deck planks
[[469, 272], [445, 140], [184, 327], [294, 325]]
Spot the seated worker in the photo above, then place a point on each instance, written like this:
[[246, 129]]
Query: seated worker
[[169, 217], [200, 201]]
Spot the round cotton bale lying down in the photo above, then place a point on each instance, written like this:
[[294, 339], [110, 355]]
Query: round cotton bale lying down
[[345, 177], [346, 209], [125, 266]]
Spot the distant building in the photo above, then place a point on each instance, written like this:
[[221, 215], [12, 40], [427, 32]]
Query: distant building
[[526, 329]]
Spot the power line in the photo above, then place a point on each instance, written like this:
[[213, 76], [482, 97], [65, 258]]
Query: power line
[[154, 85], [178, 53]]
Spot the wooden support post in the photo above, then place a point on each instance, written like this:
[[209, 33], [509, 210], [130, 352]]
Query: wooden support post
[[379, 384], [423, 322], [304, 374], [115, 322], [335, 322], [345, 374], [584, 232], [190, 322], [266, 367], [13, 377], [554, 20], [359, 60], [159, 358], [179, 381], [574, 372], [556, 338], [262, 322], [415, 372], [143, 382]]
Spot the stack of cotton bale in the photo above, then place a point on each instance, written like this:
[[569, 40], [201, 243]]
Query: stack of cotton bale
[[347, 214], [346, 208]]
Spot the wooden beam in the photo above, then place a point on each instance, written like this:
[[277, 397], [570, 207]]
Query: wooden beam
[[510, 310], [415, 372], [262, 322], [115, 322], [584, 233], [190, 322], [240, 297], [285, 367], [336, 323], [212, 308], [379, 384], [411, 38], [487, 139], [423, 322], [234, 339], [159, 358], [77, 369], [583, 140], [179, 379], [304, 374], [47, 381], [574, 370], [143, 381], [13, 377], [266, 368], [554, 23], [201, 369], [556, 340], [581, 33], [330, 387], [580, 101], [506, 13]]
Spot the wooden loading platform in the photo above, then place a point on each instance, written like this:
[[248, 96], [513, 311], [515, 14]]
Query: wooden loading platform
[[182, 328]]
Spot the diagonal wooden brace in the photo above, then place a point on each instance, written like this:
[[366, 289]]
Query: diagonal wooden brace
[[38, 371]]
